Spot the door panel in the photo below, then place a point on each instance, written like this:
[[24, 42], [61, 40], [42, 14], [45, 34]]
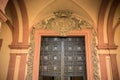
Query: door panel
[[63, 58], [77, 78]]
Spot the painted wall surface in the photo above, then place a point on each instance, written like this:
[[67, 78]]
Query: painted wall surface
[[5, 34], [117, 36], [117, 41], [28, 13]]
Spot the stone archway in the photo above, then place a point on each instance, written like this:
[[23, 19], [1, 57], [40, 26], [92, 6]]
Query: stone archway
[[63, 23]]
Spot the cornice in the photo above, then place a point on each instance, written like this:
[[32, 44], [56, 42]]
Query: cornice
[[106, 47], [18, 46]]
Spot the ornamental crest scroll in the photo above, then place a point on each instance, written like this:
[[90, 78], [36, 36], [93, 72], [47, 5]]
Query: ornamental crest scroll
[[62, 22]]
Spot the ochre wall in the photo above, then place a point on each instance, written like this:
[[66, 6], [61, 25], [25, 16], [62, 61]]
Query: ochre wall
[[117, 41], [6, 35], [117, 35], [39, 10]]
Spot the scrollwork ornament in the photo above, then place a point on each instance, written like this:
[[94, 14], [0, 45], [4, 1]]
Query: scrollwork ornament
[[30, 56], [95, 60]]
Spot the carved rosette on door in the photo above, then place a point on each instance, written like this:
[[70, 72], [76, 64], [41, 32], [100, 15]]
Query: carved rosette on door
[[62, 58]]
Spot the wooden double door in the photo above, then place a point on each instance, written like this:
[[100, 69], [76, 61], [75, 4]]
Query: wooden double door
[[62, 58]]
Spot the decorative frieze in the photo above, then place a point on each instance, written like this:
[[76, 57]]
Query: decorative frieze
[[62, 22]]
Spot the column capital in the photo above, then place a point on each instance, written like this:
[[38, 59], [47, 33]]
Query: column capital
[[18, 46], [107, 52], [106, 47]]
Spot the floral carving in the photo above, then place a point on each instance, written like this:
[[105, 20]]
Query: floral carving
[[62, 23]]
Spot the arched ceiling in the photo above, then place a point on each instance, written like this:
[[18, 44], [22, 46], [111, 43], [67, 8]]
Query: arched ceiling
[[39, 9], [84, 8]]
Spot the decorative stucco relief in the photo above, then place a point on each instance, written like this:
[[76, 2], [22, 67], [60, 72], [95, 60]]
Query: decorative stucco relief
[[62, 23]]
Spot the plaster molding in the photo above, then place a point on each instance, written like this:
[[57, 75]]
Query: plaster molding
[[18, 46], [21, 51], [114, 67], [12, 74], [107, 52], [106, 47], [101, 16], [110, 29], [15, 25], [25, 21]]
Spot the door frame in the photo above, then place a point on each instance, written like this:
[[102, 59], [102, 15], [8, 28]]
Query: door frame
[[87, 33]]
